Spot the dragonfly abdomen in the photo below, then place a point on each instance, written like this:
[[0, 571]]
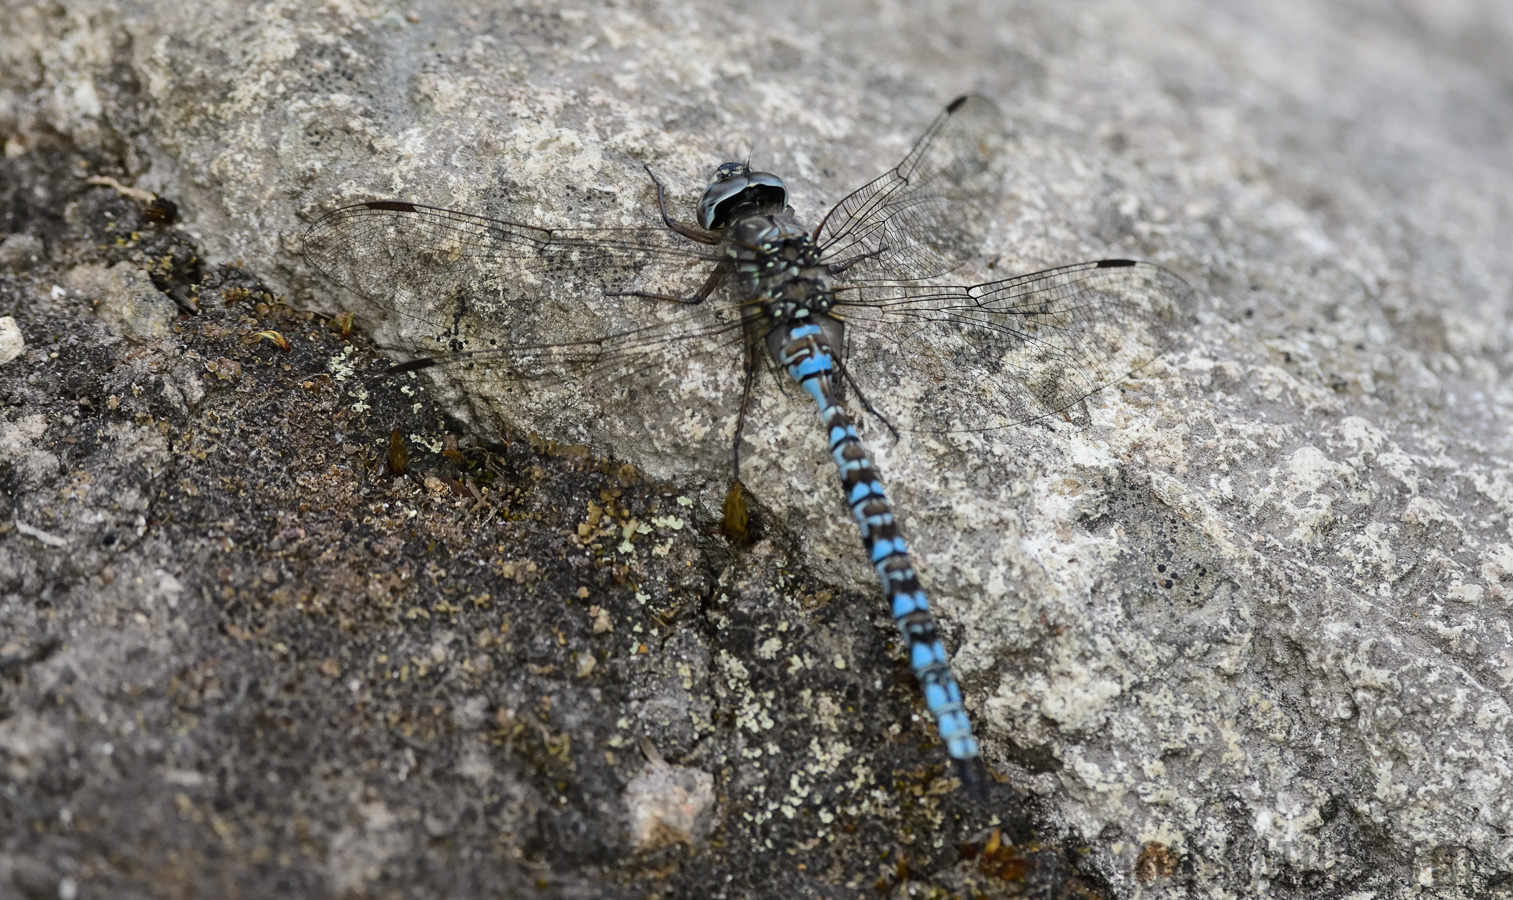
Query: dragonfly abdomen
[[803, 351]]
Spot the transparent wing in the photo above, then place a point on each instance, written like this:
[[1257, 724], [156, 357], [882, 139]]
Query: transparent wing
[[997, 354], [928, 214], [514, 295]]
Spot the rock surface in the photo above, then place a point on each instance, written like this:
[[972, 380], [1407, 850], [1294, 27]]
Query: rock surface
[[1240, 626]]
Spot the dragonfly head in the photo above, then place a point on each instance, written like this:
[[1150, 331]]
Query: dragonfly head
[[738, 192]]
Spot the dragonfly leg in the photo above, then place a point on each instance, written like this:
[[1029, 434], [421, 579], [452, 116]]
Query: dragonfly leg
[[866, 404], [749, 370], [688, 231], [713, 281], [735, 522]]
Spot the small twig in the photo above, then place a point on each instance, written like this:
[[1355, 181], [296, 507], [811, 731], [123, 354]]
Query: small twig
[[51, 540], [136, 194]]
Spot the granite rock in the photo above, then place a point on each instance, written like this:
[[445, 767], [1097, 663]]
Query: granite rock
[[1238, 626]]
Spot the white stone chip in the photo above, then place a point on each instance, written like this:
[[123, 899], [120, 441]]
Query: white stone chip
[[12, 344]]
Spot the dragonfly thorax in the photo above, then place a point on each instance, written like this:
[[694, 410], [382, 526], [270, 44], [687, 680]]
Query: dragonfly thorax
[[776, 266]]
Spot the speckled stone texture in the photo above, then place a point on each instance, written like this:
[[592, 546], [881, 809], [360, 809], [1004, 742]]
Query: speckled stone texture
[[1238, 627]]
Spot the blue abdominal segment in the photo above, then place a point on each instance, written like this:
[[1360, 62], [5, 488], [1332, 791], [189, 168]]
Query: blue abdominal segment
[[808, 360]]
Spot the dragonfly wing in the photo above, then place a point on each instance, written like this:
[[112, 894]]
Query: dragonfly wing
[[928, 214], [997, 354], [448, 272]]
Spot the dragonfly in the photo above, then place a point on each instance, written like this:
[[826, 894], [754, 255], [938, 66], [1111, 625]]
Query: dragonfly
[[597, 307]]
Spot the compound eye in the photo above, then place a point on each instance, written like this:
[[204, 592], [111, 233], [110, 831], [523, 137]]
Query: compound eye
[[740, 194]]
